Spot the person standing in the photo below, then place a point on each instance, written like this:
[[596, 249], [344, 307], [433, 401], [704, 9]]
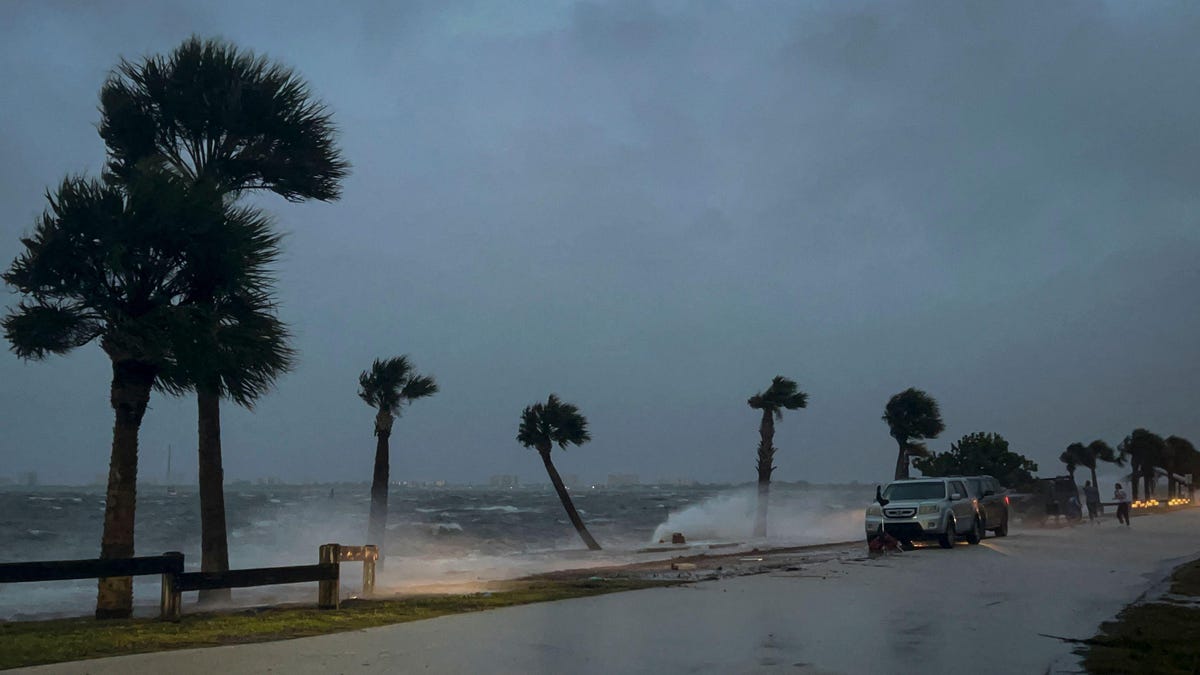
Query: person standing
[[1122, 498], [1091, 495]]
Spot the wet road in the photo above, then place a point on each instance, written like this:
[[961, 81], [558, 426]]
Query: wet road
[[974, 609]]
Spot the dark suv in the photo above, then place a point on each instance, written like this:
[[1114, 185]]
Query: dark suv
[[993, 503]]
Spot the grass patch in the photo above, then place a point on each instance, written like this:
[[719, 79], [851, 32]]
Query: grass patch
[[1158, 637], [28, 643]]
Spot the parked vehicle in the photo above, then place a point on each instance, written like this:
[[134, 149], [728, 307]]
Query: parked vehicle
[[940, 509], [994, 506], [1061, 498]]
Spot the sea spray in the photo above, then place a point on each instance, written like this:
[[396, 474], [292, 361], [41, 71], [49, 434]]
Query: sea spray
[[797, 516]]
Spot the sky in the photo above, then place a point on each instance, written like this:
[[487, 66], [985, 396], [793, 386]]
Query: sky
[[651, 209]]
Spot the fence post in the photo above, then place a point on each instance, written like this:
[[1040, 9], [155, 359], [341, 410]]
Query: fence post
[[172, 600], [327, 590], [372, 553]]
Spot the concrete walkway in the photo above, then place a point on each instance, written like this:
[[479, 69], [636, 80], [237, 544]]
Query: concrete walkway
[[974, 609]]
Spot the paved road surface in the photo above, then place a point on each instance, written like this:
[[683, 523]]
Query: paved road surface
[[974, 609]]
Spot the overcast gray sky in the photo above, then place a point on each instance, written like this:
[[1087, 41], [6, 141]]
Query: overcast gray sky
[[651, 208]]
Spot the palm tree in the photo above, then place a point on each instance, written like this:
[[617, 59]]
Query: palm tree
[[1097, 451], [1072, 457], [387, 387], [1177, 455], [783, 394], [235, 348], [544, 425], [1187, 459], [220, 117], [111, 263], [1143, 449], [911, 415]]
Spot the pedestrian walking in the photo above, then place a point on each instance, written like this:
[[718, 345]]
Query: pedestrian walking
[[1091, 495], [1122, 498]]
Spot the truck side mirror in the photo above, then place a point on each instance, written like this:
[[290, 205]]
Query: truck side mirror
[[955, 497]]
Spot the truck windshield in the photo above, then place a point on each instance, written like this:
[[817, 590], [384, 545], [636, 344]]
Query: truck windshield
[[905, 491]]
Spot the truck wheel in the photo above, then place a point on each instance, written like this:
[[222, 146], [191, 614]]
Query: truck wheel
[[976, 533], [946, 539], [1002, 531]]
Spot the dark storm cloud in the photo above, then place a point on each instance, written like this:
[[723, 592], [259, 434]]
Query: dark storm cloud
[[652, 208]]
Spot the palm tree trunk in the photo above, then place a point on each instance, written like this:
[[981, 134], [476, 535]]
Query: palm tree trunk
[[129, 396], [1093, 470], [1135, 474], [1148, 479], [766, 465], [214, 542], [902, 460], [377, 524], [565, 498]]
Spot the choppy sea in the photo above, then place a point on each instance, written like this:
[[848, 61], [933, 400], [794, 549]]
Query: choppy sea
[[434, 536]]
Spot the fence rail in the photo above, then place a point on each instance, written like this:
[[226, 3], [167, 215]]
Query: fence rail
[[62, 570], [260, 576], [327, 572]]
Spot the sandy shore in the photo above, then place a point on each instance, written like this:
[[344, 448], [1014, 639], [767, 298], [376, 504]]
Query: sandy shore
[[978, 609]]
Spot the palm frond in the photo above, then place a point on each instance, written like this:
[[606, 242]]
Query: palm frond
[[554, 422], [913, 414], [782, 394], [213, 112], [391, 383], [38, 330]]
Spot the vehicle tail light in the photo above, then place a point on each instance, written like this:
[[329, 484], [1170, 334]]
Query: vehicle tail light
[[1006, 500]]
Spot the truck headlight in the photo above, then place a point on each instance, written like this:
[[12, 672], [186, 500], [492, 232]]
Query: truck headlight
[[929, 508], [874, 510]]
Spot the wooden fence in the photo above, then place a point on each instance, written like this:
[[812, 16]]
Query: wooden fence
[[175, 581]]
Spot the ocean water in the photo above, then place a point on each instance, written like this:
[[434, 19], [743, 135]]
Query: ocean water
[[435, 536]]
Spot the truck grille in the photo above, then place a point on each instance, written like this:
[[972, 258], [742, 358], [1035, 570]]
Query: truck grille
[[900, 513]]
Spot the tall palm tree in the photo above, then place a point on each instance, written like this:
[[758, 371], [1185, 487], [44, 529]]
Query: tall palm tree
[[387, 387], [911, 415], [233, 122], [544, 425], [1072, 457], [783, 394], [111, 263], [235, 348], [1143, 448]]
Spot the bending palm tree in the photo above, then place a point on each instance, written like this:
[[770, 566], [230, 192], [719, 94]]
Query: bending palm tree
[[111, 263], [387, 386], [544, 425], [1073, 456], [232, 122], [912, 415], [783, 394], [1097, 451]]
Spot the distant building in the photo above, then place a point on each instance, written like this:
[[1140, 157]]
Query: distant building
[[572, 481], [29, 479], [504, 480], [622, 480]]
